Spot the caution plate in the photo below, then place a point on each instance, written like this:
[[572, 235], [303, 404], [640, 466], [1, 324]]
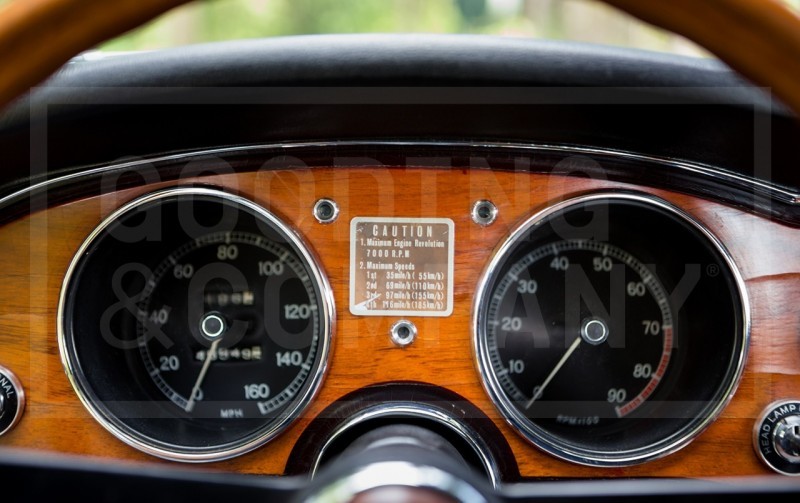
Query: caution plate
[[401, 266]]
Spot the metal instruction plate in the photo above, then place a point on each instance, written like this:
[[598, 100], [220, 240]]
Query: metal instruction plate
[[401, 266]]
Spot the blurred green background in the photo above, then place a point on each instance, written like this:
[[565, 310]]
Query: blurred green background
[[578, 20], [581, 20]]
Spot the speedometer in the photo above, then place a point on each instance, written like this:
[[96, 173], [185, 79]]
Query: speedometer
[[214, 355], [195, 325], [611, 329]]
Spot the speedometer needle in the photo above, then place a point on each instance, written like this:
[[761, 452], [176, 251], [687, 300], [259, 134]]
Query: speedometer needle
[[538, 394], [212, 353]]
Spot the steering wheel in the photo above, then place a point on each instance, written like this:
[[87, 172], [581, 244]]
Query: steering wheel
[[759, 38]]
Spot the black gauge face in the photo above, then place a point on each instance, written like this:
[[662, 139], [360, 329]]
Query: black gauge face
[[228, 326], [582, 322], [610, 329], [195, 325]]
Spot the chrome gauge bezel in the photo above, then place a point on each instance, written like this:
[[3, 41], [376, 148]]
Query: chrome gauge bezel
[[154, 447], [403, 410], [539, 437]]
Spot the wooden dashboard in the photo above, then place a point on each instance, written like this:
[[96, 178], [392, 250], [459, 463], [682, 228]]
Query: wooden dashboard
[[39, 248]]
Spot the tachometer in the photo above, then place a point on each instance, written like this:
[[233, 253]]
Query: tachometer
[[195, 324], [534, 337], [610, 329]]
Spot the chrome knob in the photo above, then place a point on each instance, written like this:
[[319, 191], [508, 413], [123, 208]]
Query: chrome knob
[[787, 438], [12, 400], [776, 437]]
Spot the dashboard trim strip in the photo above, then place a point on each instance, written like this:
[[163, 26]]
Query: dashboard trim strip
[[772, 191]]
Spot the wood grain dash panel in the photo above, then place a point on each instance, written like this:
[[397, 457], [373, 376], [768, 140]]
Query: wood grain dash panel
[[40, 247]]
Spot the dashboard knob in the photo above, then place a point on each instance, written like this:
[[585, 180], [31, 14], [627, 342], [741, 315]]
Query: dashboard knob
[[12, 400], [787, 438], [776, 437]]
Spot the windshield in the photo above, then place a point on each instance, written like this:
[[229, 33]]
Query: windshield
[[577, 20]]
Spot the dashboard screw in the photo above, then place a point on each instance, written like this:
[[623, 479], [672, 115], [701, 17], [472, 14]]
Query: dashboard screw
[[484, 212], [403, 333], [326, 211]]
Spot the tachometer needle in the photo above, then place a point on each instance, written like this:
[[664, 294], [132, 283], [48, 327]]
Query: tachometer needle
[[210, 355], [538, 394]]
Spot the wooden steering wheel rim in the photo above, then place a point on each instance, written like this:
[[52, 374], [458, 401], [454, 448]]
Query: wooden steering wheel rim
[[758, 38]]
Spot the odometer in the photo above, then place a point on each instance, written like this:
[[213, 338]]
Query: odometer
[[610, 329], [195, 325]]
